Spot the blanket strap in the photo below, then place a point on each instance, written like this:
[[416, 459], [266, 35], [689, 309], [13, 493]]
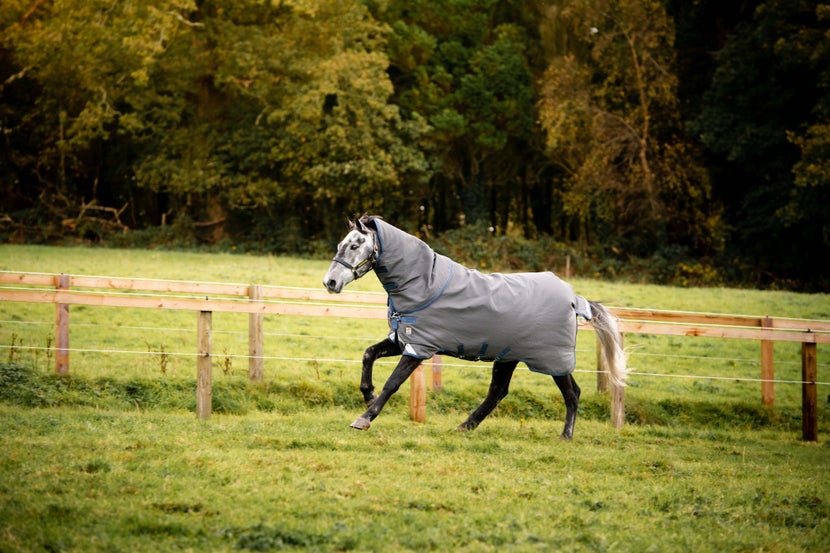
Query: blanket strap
[[582, 308]]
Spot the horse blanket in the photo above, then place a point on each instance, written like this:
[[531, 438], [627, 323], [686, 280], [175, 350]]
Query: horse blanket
[[439, 306]]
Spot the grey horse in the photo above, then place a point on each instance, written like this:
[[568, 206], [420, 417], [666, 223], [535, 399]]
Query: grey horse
[[437, 306]]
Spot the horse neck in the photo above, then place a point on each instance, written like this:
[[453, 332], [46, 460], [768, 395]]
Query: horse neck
[[403, 259]]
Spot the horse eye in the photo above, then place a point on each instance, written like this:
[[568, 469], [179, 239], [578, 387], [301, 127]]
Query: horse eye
[[353, 247]]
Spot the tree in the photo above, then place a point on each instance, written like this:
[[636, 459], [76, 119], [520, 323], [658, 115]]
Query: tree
[[762, 120], [465, 66], [811, 173], [84, 69], [608, 106], [292, 114], [215, 112]]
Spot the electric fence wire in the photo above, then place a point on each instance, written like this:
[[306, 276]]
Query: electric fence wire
[[631, 352], [326, 360], [384, 362]]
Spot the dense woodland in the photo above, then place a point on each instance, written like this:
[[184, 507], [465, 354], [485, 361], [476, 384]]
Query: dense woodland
[[670, 140]]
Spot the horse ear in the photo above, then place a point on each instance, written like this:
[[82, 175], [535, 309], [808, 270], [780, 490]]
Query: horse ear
[[349, 223], [367, 222], [361, 226]]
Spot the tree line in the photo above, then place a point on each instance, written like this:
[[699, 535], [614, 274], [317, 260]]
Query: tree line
[[695, 134]]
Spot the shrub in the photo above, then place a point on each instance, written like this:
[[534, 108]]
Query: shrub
[[21, 385]]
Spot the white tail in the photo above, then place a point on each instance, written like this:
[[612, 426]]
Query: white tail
[[611, 343]]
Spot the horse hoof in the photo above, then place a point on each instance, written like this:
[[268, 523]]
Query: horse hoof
[[361, 423], [461, 428], [565, 438], [369, 402]]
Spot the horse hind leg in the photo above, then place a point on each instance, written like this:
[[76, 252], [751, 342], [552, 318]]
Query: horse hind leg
[[570, 392], [499, 385]]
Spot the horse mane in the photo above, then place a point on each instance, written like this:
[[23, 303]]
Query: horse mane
[[363, 220]]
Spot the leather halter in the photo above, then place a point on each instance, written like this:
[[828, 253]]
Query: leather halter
[[355, 268]]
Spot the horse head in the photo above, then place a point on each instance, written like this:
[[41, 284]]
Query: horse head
[[356, 255]]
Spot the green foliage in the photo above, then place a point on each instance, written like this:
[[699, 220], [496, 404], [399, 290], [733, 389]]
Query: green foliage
[[812, 185], [19, 384], [464, 66], [92, 64], [767, 100], [478, 247], [609, 109], [217, 109]]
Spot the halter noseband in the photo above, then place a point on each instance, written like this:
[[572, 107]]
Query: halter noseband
[[355, 268]]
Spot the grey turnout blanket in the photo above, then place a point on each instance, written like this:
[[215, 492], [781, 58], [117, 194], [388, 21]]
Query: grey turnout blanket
[[439, 306]]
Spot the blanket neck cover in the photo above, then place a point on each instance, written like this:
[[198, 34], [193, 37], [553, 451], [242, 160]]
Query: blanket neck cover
[[437, 306]]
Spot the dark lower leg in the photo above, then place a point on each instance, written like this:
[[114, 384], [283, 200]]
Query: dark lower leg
[[570, 392], [385, 348], [499, 385], [405, 367]]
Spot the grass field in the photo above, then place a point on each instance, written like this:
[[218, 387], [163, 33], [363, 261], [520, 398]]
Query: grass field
[[112, 457], [91, 480]]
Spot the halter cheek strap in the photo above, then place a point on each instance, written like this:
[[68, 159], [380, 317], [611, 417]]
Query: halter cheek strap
[[355, 269]]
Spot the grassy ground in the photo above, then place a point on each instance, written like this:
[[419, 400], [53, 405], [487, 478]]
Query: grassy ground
[[112, 458], [91, 480]]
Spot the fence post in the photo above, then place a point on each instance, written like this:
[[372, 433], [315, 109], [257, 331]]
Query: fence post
[[255, 361], [767, 367], [418, 395], [617, 406], [809, 393], [203, 364], [62, 328], [437, 382]]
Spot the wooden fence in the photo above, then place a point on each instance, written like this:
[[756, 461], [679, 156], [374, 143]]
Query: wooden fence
[[257, 300]]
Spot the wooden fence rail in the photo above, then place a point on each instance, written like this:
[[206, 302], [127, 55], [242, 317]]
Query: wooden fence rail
[[258, 300]]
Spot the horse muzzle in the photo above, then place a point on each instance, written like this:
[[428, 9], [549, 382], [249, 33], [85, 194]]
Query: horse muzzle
[[333, 286], [336, 278]]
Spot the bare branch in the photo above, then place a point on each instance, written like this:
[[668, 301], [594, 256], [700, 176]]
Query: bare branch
[[187, 22], [32, 10]]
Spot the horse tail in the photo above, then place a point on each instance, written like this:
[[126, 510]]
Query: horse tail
[[611, 343]]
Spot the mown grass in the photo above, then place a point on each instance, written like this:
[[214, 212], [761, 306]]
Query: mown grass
[[90, 480], [112, 458]]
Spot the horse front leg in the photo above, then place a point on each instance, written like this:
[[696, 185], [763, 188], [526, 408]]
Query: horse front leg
[[406, 366], [499, 385], [385, 348], [570, 391]]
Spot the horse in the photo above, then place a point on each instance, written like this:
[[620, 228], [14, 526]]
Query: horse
[[438, 306]]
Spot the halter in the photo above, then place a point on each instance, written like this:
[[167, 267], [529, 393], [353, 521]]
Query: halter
[[355, 268]]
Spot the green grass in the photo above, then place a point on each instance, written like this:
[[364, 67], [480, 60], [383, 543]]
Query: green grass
[[112, 458], [92, 480]]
